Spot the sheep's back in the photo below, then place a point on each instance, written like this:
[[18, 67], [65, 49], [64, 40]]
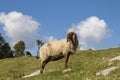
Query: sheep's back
[[54, 48]]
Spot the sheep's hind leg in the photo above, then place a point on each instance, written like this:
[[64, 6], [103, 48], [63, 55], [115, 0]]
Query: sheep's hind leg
[[43, 66]]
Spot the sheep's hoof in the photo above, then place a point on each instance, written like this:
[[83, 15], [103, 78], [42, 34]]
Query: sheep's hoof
[[66, 70]]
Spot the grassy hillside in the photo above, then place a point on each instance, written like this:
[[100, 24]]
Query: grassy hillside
[[84, 65]]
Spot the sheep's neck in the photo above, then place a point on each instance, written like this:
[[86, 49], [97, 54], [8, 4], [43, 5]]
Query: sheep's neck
[[72, 47]]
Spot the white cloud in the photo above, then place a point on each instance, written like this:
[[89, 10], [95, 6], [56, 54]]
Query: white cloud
[[91, 31], [50, 38], [20, 27]]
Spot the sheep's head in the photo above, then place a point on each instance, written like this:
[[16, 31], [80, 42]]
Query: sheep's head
[[72, 36]]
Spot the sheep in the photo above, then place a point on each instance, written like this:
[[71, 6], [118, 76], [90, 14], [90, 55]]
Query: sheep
[[55, 50]]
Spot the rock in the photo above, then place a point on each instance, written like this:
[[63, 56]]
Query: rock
[[115, 58], [66, 70], [107, 71], [32, 74]]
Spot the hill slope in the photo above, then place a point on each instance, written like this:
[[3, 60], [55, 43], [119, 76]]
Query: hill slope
[[84, 65]]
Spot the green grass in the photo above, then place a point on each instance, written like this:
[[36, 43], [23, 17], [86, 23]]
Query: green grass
[[84, 65]]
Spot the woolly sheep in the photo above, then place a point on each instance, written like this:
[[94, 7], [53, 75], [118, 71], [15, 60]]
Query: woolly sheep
[[56, 50]]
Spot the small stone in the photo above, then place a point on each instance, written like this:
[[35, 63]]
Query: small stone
[[66, 70]]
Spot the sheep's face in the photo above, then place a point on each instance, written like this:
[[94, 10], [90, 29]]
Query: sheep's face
[[71, 36]]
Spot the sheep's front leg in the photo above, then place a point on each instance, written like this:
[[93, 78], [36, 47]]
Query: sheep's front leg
[[66, 61]]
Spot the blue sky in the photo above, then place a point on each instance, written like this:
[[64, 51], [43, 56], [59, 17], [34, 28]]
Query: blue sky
[[55, 17]]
